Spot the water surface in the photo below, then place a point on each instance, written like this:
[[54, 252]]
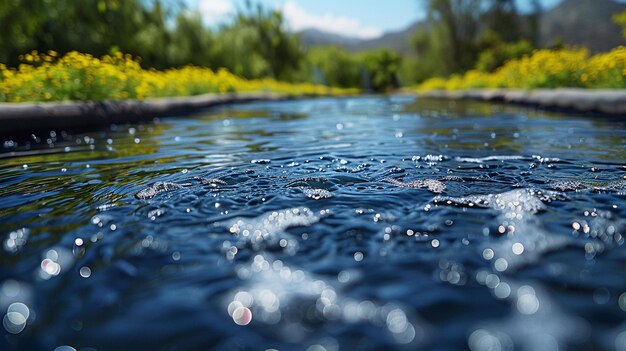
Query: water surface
[[362, 223]]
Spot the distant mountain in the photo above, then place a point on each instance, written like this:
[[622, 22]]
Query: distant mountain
[[314, 37], [583, 22], [398, 41], [575, 22]]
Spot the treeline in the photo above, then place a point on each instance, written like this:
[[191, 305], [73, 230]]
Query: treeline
[[460, 35], [255, 44], [472, 34]]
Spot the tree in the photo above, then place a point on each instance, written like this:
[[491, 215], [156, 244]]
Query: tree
[[620, 19], [334, 66], [381, 67], [465, 34], [92, 26], [191, 42], [457, 23], [257, 45], [504, 19]]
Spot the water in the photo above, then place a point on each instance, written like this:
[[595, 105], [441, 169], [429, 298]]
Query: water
[[330, 224]]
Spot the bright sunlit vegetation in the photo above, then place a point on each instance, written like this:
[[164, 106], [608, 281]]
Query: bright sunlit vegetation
[[73, 51], [545, 69], [77, 76]]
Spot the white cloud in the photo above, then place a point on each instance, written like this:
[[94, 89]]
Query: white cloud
[[215, 11], [298, 19]]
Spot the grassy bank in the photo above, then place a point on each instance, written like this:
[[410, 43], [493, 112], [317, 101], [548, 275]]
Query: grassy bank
[[545, 69], [82, 77]]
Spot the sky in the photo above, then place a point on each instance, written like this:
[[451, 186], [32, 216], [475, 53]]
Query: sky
[[365, 19]]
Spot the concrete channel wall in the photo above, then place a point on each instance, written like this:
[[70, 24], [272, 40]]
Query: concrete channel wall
[[26, 117], [606, 102]]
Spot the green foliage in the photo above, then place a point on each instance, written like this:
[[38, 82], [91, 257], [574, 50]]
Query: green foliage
[[497, 51], [194, 43], [430, 59], [334, 66], [382, 67], [620, 19], [94, 26], [468, 34], [257, 45], [456, 24]]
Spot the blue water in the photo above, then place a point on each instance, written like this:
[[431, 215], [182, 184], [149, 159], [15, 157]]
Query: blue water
[[366, 223]]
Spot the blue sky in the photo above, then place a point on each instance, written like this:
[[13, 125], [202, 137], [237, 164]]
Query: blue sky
[[356, 18]]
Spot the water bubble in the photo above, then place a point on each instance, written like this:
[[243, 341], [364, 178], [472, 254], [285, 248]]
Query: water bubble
[[492, 280], [488, 254], [435, 243], [344, 277], [397, 321], [527, 302], [85, 272], [242, 315], [245, 298], [65, 348], [20, 308], [622, 301], [50, 267], [11, 288], [14, 322], [601, 296], [16, 240], [501, 264], [482, 340], [502, 291], [54, 261], [358, 256], [517, 248]]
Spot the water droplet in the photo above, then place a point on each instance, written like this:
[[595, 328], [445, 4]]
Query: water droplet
[[501, 264], [488, 254], [242, 315], [527, 302], [65, 348], [517, 248], [85, 272], [14, 322]]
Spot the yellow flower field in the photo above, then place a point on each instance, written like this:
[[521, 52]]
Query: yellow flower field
[[78, 76], [545, 69]]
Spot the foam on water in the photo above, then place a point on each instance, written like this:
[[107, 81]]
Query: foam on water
[[523, 238], [269, 229], [432, 185], [156, 189]]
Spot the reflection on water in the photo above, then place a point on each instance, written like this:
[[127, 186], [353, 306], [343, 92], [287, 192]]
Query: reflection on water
[[362, 223]]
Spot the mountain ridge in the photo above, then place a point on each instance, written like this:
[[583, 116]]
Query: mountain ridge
[[573, 22]]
